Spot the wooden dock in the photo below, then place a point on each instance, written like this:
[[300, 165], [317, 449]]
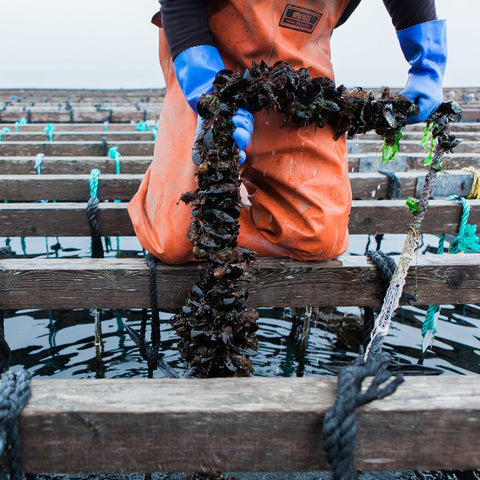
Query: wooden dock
[[253, 424]]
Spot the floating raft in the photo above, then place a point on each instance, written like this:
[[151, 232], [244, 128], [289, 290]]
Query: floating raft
[[244, 424]]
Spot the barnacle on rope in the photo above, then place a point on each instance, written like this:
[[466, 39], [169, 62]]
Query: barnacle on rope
[[216, 330]]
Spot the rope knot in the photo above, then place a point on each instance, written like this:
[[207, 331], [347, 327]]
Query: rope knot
[[339, 426]]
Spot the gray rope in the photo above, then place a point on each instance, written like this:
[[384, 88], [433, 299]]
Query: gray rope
[[14, 395]]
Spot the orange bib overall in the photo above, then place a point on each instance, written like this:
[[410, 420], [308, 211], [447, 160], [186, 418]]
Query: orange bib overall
[[299, 195]]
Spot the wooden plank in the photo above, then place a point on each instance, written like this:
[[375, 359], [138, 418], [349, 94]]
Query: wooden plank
[[17, 165], [74, 188], [72, 127], [242, 424], [405, 146], [366, 217], [123, 283], [71, 165], [146, 147], [74, 148], [111, 137]]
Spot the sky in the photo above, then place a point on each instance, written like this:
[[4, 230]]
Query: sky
[[112, 44]]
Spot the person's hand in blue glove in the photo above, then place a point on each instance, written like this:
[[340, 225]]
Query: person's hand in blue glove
[[196, 69], [424, 46]]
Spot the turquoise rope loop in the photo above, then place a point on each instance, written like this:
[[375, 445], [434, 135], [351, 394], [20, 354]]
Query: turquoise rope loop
[[4, 130], [50, 130], [93, 182], [467, 240], [115, 154], [143, 126]]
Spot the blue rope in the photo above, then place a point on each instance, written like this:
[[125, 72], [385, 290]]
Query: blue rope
[[50, 130], [93, 182], [466, 241]]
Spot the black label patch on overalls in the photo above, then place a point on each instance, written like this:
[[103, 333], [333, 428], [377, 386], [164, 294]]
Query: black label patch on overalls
[[299, 18]]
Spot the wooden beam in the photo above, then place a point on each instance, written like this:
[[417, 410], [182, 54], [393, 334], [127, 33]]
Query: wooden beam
[[74, 188], [123, 283], [70, 165], [111, 137], [366, 217], [23, 164], [73, 148], [242, 424]]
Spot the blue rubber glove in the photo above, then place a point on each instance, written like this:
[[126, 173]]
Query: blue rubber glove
[[424, 46], [196, 68]]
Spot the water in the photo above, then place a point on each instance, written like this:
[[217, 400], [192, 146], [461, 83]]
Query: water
[[60, 344]]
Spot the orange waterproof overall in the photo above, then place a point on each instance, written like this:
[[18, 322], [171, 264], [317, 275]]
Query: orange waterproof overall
[[296, 178]]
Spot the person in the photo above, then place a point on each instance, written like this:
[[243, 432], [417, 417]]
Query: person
[[298, 195]]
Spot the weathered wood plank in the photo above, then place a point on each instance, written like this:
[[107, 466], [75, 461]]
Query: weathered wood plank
[[111, 137], [74, 148], [115, 283], [366, 217], [21, 164], [71, 165], [146, 147], [74, 188], [242, 424], [406, 146]]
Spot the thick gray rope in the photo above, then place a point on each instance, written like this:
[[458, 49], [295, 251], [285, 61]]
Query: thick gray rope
[[14, 395]]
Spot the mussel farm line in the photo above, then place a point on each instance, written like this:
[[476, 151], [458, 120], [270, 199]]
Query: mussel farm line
[[216, 330]]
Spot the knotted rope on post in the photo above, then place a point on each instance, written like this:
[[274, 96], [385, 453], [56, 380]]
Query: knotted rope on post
[[14, 395], [339, 425], [92, 212]]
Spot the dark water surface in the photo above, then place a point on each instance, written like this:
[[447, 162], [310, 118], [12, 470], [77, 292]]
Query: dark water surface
[[60, 344]]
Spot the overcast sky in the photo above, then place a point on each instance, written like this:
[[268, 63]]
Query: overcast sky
[[111, 44]]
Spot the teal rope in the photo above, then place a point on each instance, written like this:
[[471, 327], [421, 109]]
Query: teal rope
[[105, 126], [466, 241], [93, 182], [155, 131], [50, 130], [143, 126], [24, 246], [115, 154]]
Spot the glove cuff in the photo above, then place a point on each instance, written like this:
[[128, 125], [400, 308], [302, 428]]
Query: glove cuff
[[424, 46], [195, 69]]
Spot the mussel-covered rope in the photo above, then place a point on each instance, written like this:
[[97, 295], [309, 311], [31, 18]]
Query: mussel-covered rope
[[14, 396], [445, 142], [217, 332]]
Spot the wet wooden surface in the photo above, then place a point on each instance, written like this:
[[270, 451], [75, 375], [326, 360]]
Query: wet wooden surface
[[242, 424], [123, 283]]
